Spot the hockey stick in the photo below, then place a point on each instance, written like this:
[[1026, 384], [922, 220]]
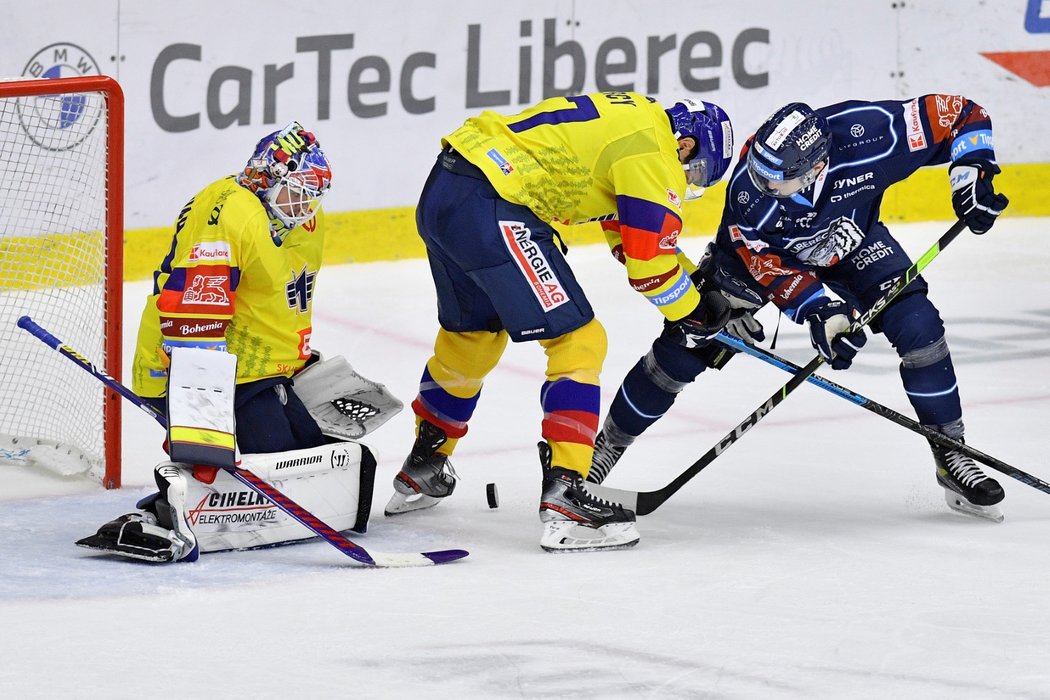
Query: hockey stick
[[886, 412], [645, 502], [249, 479]]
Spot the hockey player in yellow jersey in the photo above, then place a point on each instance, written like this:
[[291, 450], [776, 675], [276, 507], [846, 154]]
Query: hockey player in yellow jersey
[[239, 277], [485, 215]]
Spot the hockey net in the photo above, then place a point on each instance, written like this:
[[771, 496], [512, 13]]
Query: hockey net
[[61, 237]]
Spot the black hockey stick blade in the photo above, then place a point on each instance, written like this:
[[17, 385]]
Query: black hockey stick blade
[[886, 412]]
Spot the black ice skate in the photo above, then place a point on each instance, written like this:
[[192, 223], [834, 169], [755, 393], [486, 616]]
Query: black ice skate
[[575, 520], [426, 476], [606, 455], [966, 488]]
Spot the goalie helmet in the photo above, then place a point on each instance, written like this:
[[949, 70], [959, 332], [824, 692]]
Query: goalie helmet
[[290, 174], [789, 150], [709, 126]]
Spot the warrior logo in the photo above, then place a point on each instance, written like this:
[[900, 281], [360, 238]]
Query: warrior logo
[[60, 122], [300, 290]]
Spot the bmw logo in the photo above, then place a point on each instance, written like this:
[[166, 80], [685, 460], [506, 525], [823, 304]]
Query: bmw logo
[[60, 122]]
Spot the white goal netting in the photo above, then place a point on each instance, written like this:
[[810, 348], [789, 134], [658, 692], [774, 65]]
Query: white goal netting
[[53, 262]]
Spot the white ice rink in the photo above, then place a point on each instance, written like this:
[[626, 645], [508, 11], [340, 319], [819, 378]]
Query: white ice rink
[[816, 558]]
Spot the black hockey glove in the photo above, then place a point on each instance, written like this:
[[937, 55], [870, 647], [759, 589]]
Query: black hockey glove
[[974, 199], [703, 322], [743, 301], [828, 324]]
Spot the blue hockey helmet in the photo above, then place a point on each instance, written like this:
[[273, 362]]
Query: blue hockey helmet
[[290, 174], [709, 126], [789, 150]]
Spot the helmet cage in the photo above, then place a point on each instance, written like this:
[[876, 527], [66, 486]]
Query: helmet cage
[[289, 174]]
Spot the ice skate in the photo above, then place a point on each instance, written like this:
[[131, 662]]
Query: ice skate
[[426, 476], [606, 455], [575, 520], [967, 489]]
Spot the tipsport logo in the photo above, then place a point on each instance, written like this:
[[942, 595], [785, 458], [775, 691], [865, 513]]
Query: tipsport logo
[[64, 121]]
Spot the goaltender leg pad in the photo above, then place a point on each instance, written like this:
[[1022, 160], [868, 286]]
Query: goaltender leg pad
[[201, 425], [173, 482], [334, 482], [344, 404]]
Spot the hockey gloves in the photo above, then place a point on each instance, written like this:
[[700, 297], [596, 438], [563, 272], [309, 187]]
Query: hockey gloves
[[743, 301], [703, 322], [828, 326], [973, 198]]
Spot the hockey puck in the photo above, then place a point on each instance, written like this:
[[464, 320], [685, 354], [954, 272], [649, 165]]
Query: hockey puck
[[492, 495]]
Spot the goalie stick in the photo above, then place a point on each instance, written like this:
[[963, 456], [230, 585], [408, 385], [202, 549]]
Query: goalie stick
[[645, 502], [886, 412], [251, 480]]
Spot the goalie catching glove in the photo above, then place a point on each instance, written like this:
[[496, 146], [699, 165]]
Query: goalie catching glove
[[344, 404]]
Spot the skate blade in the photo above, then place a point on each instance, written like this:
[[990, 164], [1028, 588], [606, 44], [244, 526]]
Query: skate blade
[[400, 504], [961, 505], [567, 536]]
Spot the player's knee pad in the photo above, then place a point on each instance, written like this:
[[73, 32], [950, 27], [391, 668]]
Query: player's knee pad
[[672, 366], [646, 394], [932, 354], [578, 355], [461, 361], [912, 323]]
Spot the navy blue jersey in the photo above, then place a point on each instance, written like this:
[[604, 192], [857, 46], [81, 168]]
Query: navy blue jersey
[[783, 243]]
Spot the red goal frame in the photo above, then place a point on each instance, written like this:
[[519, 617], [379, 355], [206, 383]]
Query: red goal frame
[[114, 237]]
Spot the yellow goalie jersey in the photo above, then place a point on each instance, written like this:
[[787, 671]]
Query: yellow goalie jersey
[[226, 285], [610, 157]]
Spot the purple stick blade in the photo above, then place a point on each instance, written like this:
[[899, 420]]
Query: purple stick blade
[[446, 555]]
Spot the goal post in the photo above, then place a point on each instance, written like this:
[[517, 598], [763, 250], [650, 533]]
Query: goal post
[[61, 262]]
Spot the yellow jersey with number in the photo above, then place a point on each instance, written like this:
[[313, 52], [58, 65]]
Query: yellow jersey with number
[[225, 284], [610, 157]]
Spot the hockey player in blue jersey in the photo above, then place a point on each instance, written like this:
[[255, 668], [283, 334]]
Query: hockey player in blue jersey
[[801, 218]]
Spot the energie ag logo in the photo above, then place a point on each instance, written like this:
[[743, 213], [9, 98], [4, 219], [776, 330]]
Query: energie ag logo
[[60, 122]]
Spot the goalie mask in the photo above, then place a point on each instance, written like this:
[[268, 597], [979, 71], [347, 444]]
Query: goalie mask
[[290, 174], [709, 126]]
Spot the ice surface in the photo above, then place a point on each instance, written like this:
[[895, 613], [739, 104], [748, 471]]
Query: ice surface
[[816, 558]]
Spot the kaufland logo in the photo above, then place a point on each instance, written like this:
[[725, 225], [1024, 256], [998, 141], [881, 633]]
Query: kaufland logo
[[1031, 66], [210, 250]]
